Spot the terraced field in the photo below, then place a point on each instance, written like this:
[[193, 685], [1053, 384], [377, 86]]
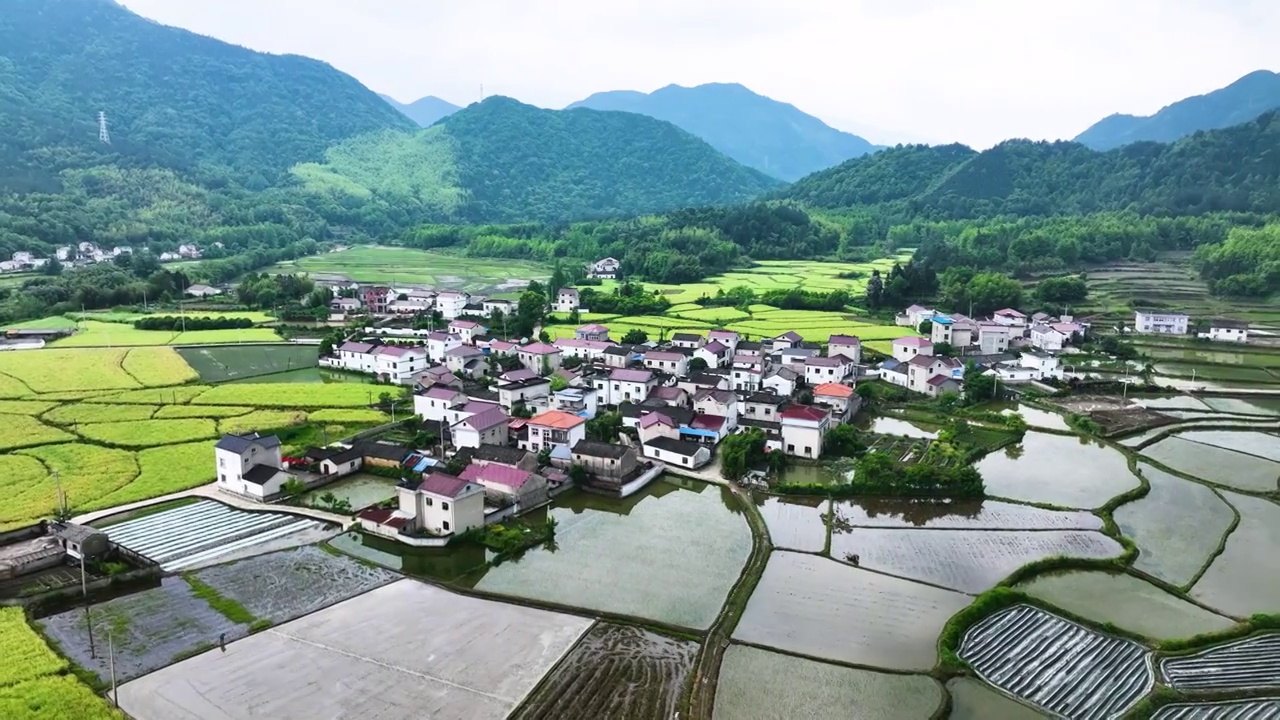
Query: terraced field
[[1177, 526], [1218, 465], [960, 515], [1247, 664], [1245, 578], [1261, 709], [1057, 665]]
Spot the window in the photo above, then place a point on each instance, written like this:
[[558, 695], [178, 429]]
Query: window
[[445, 505], [224, 477], [808, 450], [791, 448], [445, 525], [222, 462], [684, 460], [429, 502]]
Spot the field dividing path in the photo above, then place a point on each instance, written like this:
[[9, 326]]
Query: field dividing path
[[211, 492], [706, 670]]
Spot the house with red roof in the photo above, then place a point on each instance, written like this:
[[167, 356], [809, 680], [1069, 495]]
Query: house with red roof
[[803, 428], [442, 504], [657, 424], [554, 428], [841, 399]]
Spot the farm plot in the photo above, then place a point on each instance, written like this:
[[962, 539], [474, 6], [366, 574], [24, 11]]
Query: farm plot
[[467, 658], [974, 700], [1175, 402], [284, 585], [84, 412], [1248, 406], [959, 515], [966, 560], [1058, 470], [1260, 709], [1177, 526], [26, 407], [20, 431], [796, 523], [261, 420], [1216, 465], [180, 395], [27, 657], [68, 370], [86, 473], [171, 412], [1260, 444], [1245, 578], [54, 697], [616, 671], [231, 362], [149, 433], [817, 607], [292, 395], [396, 265], [161, 470], [1242, 665], [1131, 604], [765, 685], [149, 629], [1056, 664], [156, 367], [604, 554]]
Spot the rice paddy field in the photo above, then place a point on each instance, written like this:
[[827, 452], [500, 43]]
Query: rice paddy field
[[1036, 472], [35, 683], [124, 424], [756, 683], [406, 266], [1220, 465], [1245, 578], [973, 700]]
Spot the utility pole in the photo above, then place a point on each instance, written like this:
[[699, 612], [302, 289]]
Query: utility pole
[[111, 661], [84, 589], [62, 499]]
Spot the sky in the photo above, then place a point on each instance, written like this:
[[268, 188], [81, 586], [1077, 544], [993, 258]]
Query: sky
[[971, 71]]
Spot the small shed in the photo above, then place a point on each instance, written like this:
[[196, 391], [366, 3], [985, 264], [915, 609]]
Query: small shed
[[81, 540]]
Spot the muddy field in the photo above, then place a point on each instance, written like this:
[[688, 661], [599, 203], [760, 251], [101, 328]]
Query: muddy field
[[616, 671], [285, 585], [796, 523], [958, 515], [149, 630]]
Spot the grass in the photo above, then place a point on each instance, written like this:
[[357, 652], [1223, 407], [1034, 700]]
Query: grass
[[54, 697], [404, 266], [228, 608], [54, 370], [26, 407], [202, 411], [19, 431], [24, 655], [149, 433]]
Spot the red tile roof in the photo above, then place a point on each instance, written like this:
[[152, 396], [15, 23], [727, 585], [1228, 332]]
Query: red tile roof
[[707, 422], [557, 419], [833, 390], [912, 342], [804, 412], [655, 418]]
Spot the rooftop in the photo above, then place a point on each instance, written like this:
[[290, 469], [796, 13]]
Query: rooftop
[[1226, 323], [501, 454], [833, 390], [912, 341], [240, 443], [664, 356], [624, 375], [686, 337], [496, 474], [490, 418], [355, 347], [825, 361], [557, 419], [790, 336], [593, 328], [675, 447], [438, 483], [260, 474], [540, 348], [843, 340], [656, 418], [599, 449], [804, 412]]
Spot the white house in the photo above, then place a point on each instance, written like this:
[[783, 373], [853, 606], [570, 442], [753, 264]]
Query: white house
[[440, 343], [1044, 364], [818, 370], [1048, 337], [719, 403], [846, 345], [728, 338], [747, 373], [250, 465], [443, 504], [688, 341], [838, 397], [435, 402], [592, 331], [199, 290], [677, 452], [567, 300], [715, 354], [957, 331], [399, 364], [924, 367], [625, 385], [670, 362], [1161, 323], [584, 349], [532, 392], [483, 428], [491, 305], [905, 348], [993, 338], [451, 302], [467, 330], [540, 357], [555, 428], [606, 269], [583, 402], [913, 316], [1223, 330], [780, 380], [803, 428], [466, 361], [1010, 318]]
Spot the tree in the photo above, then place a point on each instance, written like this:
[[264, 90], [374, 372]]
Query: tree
[[557, 281], [293, 487], [697, 365], [843, 441], [741, 452], [531, 310], [455, 466], [944, 349], [1059, 291], [925, 328], [558, 383], [53, 267], [326, 347], [579, 475], [635, 336], [978, 386], [605, 427], [574, 317], [875, 290]]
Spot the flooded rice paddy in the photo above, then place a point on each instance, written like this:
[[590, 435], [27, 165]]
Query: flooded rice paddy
[[1177, 526], [1215, 464], [1251, 406], [796, 523], [905, 428], [959, 515], [765, 685], [1126, 602], [1057, 470], [669, 554], [1261, 444], [360, 490], [970, 561], [1056, 664], [1246, 664], [974, 700], [1245, 578], [1034, 416], [615, 671], [817, 607]]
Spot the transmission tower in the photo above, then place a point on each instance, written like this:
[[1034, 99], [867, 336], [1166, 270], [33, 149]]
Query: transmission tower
[[103, 136]]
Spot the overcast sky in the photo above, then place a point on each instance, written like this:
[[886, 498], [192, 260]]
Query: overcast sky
[[974, 71]]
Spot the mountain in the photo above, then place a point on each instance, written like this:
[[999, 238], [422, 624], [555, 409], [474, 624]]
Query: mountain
[[1232, 169], [500, 160], [1239, 102], [424, 111], [773, 137], [172, 98]]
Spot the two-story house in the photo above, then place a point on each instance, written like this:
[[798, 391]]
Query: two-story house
[[688, 341], [443, 504], [905, 348], [554, 428], [483, 428], [250, 465], [531, 392], [818, 370], [715, 354], [439, 343], [540, 357], [625, 385], [468, 330], [466, 361], [846, 345], [594, 332], [719, 403], [1160, 323], [435, 402], [803, 428], [668, 361]]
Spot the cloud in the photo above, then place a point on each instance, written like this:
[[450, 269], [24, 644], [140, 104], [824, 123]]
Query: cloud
[[975, 72]]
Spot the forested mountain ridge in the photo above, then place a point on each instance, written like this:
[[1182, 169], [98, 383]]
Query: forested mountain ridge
[[173, 99], [425, 111], [503, 161], [1232, 169], [1239, 102], [771, 136]]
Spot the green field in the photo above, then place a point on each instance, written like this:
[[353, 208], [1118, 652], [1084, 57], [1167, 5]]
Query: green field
[[94, 333], [404, 266], [219, 364]]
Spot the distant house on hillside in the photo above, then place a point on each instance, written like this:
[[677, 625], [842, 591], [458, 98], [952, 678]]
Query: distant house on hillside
[[1161, 323], [606, 269], [201, 291], [1223, 330]]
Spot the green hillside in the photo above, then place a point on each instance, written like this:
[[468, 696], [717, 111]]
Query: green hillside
[[1233, 169], [503, 161]]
